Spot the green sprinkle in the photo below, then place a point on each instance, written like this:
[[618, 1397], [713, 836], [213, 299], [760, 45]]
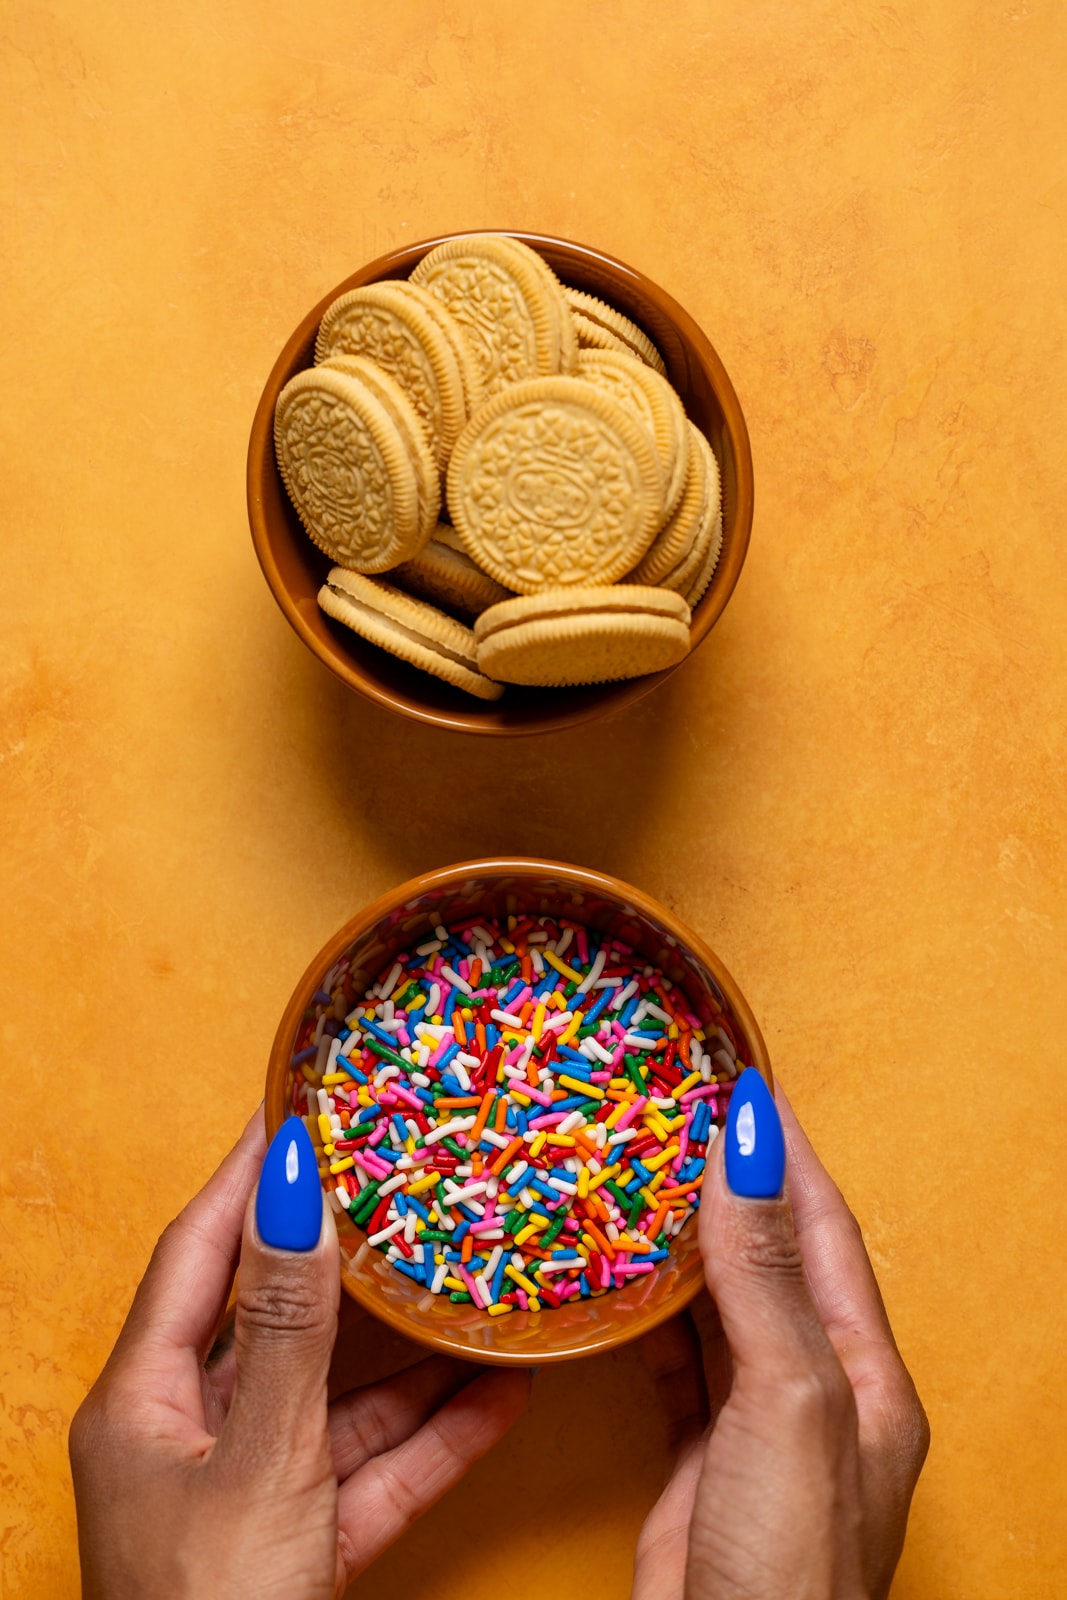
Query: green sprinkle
[[633, 1072], [456, 1149], [386, 1054], [513, 1220], [460, 1297], [554, 1231], [621, 1197]]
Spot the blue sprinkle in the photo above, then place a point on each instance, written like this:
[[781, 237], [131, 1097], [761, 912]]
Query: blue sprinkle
[[516, 988], [598, 1005], [304, 1055], [492, 1035], [321, 998], [410, 1269], [401, 1204], [462, 1232]]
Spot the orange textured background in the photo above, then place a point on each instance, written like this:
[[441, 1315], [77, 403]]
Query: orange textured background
[[854, 790]]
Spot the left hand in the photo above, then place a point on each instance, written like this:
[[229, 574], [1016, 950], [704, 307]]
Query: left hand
[[238, 1479]]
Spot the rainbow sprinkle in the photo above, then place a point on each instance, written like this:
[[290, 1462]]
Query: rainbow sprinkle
[[515, 1114]]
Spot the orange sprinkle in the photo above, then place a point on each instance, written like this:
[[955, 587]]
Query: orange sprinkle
[[603, 1243], [475, 973], [506, 1156], [479, 1038], [458, 1028], [681, 1190], [459, 1102], [657, 1222], [466, 1249], [500, 1116], [480, 1120]]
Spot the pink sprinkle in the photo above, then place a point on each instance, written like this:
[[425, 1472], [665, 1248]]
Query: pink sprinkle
[[635, 1266], [704, 1092], [379, 1133], [470, 1285], [583, 947], [600, 1077], [371, 1164], [520, 1295], [406, 1096], [538, 1095], [551, 1121], [632, 1110], [404, 1037], [442, 1049]]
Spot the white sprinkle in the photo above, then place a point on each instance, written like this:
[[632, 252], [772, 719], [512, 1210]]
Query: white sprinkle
[[516, 1171], [564, 940], [594, 972], [725, 1061], [456, 981], [537, 962], [324, 1103], [439, 1278], [386, 1233], [558, 1183], [409, 1227], [455, 1197], [460, 1073], [430, 948], [387, 1072], [652, 1010], [621, 1138], [507, 1018], [574, 1119], [457, 1125], [597, 1049], [607, 983], [434, 1000], [623, 995], [494, 1259], [465, 1059], [420, 1080], [499, 1139], [390, 983]]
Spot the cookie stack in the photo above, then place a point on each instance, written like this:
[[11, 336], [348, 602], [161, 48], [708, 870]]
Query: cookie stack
[[509, 451]]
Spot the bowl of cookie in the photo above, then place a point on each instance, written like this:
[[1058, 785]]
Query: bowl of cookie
[[500, 483]]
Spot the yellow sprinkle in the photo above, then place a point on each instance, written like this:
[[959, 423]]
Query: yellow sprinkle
[[532, 1303], [342, 1165], [537, 1144], [655, 1162], [561, 966], [622, 1106], [647, 1195], [427, 1181], [526, 1233], [674, 1123], [522, 1099], [330, 1078], [538, 1021], [687, 1084], [520, 1278], [500, 1311], [507, 946], [602, 1177], [328, 1149], [698, 1033], [571, 1029], [673, 1030], [409, 1146], [438, 1020], [583, 1183], [308, 1075], [467, 1014], [591, 1090], [325, 1130], [562, 1139], [417, 1004], [653, 1120], [455, 1283]]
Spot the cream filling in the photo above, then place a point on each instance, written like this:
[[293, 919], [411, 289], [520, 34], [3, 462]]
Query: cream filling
[[558, 616], [411, 634]]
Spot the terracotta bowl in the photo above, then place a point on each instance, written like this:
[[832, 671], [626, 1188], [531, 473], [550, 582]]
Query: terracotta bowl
[[499, 887], [295, 568]]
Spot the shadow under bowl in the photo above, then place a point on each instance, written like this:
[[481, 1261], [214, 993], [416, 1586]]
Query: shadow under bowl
[[497, 888], [295, 568]]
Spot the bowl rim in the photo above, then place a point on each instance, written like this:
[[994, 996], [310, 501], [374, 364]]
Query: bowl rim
[[614, 697], [567, 874]]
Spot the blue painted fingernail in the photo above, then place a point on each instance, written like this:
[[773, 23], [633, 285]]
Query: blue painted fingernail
[[755, 1147], [289, 1199]]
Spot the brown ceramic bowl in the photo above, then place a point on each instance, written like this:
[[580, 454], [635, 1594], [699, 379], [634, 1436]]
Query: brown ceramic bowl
[[295, 568], [498, 887]]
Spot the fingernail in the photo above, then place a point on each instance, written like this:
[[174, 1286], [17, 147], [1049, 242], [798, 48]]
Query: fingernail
[[755, 1147], [289, 1198]]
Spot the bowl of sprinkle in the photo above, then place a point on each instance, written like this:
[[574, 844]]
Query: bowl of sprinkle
[[512, 1071]]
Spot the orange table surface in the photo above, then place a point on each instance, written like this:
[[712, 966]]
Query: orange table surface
[[854, 790]]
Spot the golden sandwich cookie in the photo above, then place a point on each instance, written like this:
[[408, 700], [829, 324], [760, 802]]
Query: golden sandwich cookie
[[445, 575], [384, 323], [576, 636], [653, 400], [707, 536], [554, 483], [594, 319], [507, 301], [348, 471], [695, 511], [415, 632], [410, 430]]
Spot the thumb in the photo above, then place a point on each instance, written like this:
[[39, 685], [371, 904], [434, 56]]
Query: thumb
[[288, 1290], [752, 1261]]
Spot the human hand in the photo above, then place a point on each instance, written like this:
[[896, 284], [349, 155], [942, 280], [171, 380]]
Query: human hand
[[799, 1487], [236, 1478]]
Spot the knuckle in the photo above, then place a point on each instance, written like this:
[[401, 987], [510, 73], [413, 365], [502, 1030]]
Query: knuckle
[[817, 1395], [281, 1308], [905, 1425]]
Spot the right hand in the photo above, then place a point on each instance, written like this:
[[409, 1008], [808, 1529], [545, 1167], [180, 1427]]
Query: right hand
[[798, 1488]]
